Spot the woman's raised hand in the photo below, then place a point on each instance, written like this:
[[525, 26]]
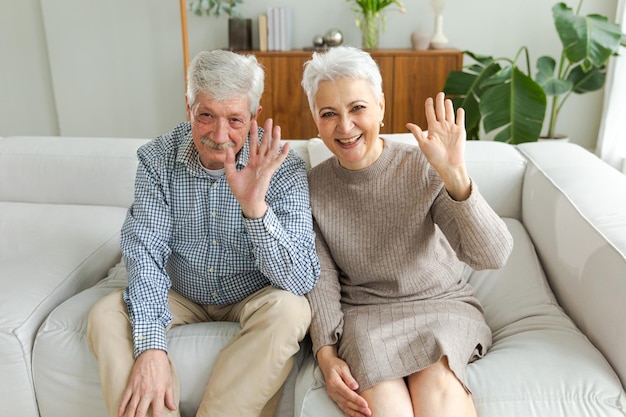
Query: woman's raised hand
[[444, 145]]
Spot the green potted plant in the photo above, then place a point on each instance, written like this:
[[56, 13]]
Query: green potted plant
[[502, 94], [369, 13], [239, 29]]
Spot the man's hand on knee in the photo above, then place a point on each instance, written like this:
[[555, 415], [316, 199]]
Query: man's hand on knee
[[150, 384]]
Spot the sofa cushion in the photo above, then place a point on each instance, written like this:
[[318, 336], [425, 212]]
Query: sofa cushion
[[300, 146], [63, 365], [318, 152], [63, 170], [540, 364]]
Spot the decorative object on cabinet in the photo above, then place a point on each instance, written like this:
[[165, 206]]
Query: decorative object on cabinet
[[369, 18], [239, 34], [318, 41], [333, 37], [438, 40], [409, 77], [420, 40], [505, 98]]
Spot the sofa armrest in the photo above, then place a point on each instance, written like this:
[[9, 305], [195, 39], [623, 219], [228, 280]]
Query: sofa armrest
[[574, 208]]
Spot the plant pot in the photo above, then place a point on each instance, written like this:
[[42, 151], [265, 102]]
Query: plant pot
[[239, 34]]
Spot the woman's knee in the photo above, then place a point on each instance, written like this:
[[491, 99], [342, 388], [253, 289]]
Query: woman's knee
[[437, 378], [389, 398], [437, 391]]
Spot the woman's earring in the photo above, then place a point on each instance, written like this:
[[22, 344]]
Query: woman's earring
[[382, 123]]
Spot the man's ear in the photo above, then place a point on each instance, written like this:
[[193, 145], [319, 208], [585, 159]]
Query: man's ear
[[187, 107], [257, 114]]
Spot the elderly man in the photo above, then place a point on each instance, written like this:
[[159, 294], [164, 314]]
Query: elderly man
[[220, 230]]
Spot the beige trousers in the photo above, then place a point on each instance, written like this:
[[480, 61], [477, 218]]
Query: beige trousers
[[248, 375]]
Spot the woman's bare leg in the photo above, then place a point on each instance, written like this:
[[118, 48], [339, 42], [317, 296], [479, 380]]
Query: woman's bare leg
[[436, 391], [389, 399]]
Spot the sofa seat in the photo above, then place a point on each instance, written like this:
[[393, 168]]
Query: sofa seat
[[63, 364]]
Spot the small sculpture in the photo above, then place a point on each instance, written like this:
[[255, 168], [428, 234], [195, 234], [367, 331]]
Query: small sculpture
[[333, 37], [318, 41]]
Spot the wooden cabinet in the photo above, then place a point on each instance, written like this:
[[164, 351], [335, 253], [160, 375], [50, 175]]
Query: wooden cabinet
[[409, 77]]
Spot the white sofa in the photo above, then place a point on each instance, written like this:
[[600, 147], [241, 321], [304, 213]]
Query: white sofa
[[556, 309]]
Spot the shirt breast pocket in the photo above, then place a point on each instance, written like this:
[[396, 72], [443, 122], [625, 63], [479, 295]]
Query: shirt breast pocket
[[238, 254]]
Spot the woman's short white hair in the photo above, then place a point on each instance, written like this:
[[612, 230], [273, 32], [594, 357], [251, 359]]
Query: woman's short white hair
[[341, 62], [222, 75]]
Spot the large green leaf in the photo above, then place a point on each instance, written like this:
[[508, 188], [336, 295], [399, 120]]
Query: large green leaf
[[515, 104], [590, 39], [548, 78], [464, 88], [459, 87], [584, 82]]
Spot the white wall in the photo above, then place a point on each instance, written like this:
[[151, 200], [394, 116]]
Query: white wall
[[26, 98], [115, 67]]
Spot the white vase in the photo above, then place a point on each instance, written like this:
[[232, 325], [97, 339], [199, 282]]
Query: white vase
[[438, 40]]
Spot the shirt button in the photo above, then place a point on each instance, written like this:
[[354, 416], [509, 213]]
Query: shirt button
[[213, 213], [214, 242], [140, 337], [214, 294], [214, 184], [211, 270]]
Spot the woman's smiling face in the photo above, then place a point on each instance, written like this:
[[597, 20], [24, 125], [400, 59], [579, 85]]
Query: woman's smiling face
[[348, 118]]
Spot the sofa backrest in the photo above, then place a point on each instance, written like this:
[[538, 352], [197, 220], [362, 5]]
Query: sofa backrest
[[63, 170], [574, 208], [496, 168], [101, 171]]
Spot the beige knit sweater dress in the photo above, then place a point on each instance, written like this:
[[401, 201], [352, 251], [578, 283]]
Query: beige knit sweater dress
[[395, 253]]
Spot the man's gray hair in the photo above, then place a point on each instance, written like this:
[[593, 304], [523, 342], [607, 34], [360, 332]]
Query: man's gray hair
[[222, 75], [341, 62]]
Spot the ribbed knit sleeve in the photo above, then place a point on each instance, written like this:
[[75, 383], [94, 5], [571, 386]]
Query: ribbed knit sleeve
[[327, 317], [477, 234]]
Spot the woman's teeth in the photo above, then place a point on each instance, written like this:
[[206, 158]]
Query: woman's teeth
[[349, 141]]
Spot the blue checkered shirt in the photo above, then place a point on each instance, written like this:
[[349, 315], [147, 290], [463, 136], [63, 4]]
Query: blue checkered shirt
[[185, 231]]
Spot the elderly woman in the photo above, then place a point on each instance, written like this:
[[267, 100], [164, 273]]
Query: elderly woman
[[395, 322]]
